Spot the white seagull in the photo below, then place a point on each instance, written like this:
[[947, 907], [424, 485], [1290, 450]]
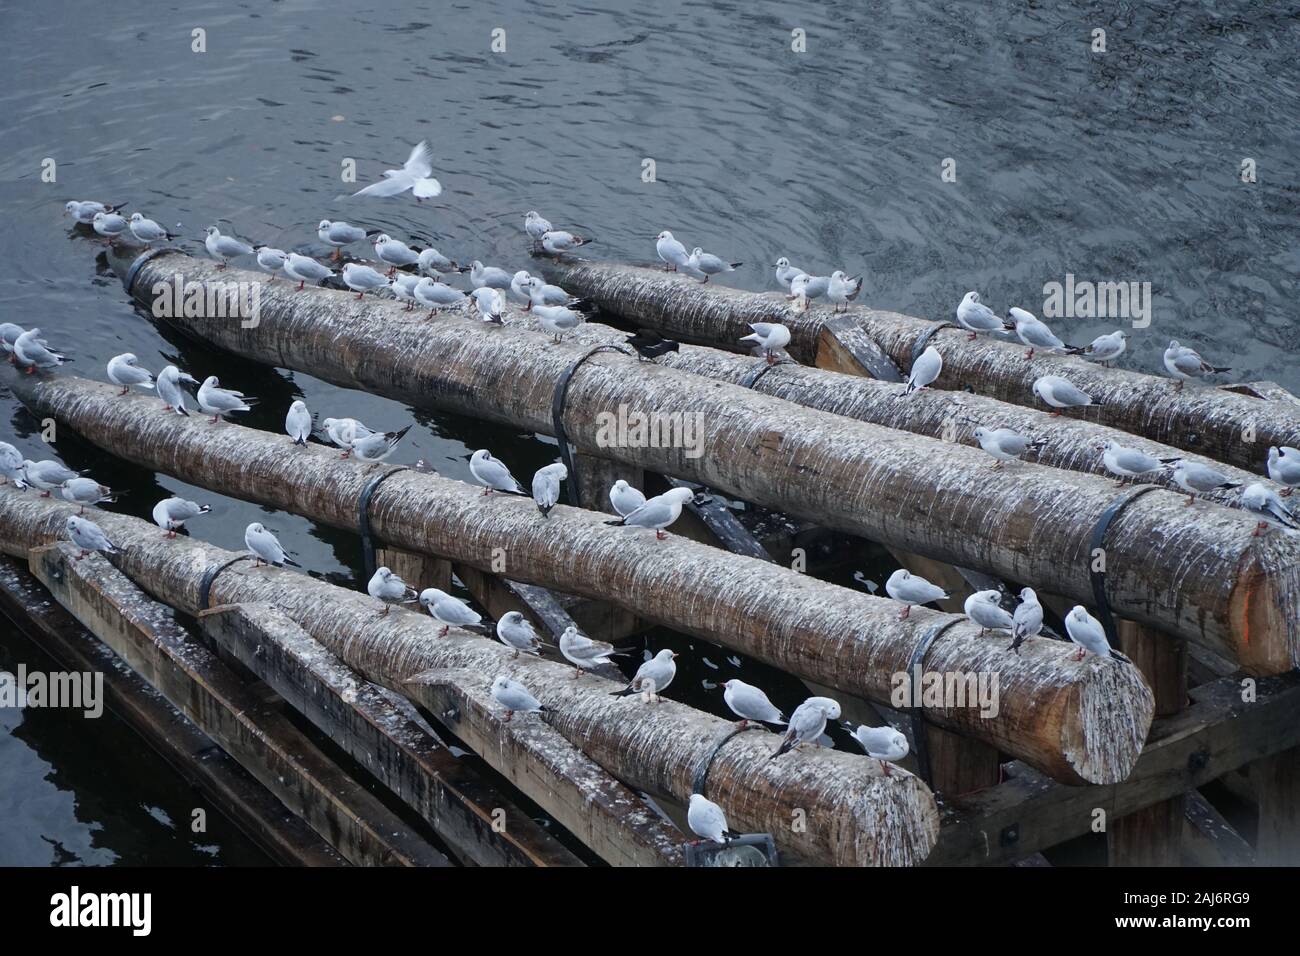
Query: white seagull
[[706, 820], [225, 248], [416, 175], [883, 743], [170, 514], [362, 279], [925, 370], [653, 677], [517, 632], [584, 653], [975, 317], [514, 697], [89, 537], [808, 722], [388, 589], [985, 609], [625, 498], [658, 512], [339, 234], [447, 610], [911, 589], [1060, 393], [169, 388], [219, 402], [297, 423], [125, 370], [1186, 364], [305, 269], [266, 547], [546, 486], [672, 252], [1263, 500], [492, 474], [1034, 332], [749, 703], [1284, 467], [557, 241], [146, 230], [1086, 631], [1104, 348], [771, 337], [1195, 478], [1027, 621], [1006, 445], [271, 260]]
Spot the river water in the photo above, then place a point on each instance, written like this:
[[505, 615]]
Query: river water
[[1060, 159]]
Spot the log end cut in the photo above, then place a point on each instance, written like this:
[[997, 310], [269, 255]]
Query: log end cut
[[1265, 604], [1099, 741]]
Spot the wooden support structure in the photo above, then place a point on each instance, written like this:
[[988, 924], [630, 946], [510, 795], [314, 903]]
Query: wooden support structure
[[229, 791], [374, 731], [189, 675], [1277, 788], [1079, 721], [902, 490], [1222, 423], [863, 816]]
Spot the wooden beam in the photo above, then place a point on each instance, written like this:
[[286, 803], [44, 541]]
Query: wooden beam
[[844, 346], [1277, 786], [1209, 839]]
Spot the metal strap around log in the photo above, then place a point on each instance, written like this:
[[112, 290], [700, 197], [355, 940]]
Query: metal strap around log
[[363, 517], [919, 345], [701, 775], [916, 711], [1099, 577], [571, 487], [137, 264], [209, 576], [758, 371]]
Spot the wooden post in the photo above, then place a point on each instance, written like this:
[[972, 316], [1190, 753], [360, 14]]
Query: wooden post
[[597, 474], [420, 571], [1277, 786]]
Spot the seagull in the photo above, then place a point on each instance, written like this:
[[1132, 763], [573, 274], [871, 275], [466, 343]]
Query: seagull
[[539, 293], [169, 388], [33, 352], [1005, 444], [387, 588], [517, 631], [1027, 621], [653, 677], [394, 252], [546, 486], [305, 269], [804, 288], [481, 275], [808, 722], [434, 263], [416, 175], [749, 703], [1034, 332], [520, 289], [447, 610], [224, 248], [883, 743], [1086, 631], [490, 304], [339, 234], [1284, 467], [557, 319], [672, 252], [785, 272], [1195, 478], [403, 286], [1059, 393], [658, 512], [266, 547], [47, 475], [625, 498], [1127, 462], [344, 432], [985, 609], [925, 370], [843, 289], [125, 370], [436, 295], [492, 474], [11, 464], [1263, 500], [536, 226], [376, 446], [219, 402], [1104, 348], [709, 264], [271, 260], [84, 211], [109, 225], [975, 317], [1186, 364], [557, 241], [170, 514], [146, 230], [771, 337], [910, 589], [706, 820], [8, 336], [515, 698], [88, 536], [362, 279], [584, 653], [86, 491]]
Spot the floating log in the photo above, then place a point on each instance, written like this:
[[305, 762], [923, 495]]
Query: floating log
[[856, 815], [1077, 721], [931, 497], [1221, 423]]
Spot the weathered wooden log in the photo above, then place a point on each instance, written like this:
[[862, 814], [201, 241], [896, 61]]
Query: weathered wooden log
[[905, 491], [1221, 423], [855, 813], [1078, 721]]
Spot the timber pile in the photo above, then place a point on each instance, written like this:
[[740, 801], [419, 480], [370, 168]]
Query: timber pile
[[1077, 721], [1238, 595], [1221, 423], [856, 815]]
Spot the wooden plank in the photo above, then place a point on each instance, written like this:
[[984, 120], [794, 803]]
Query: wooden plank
[[1210, 839], [1277, 786], [721, 522], [420, 571], [228, 789], [845, 346], [145, 635], [479, 824]]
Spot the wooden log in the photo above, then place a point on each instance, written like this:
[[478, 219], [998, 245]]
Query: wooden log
[[1078, 721], [367, 725], [229, 790], [1217, 734], [1234, 428], [906, 491], [856, 814], [189, 675]]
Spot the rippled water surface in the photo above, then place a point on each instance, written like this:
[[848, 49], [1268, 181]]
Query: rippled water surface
[[1117, 166]]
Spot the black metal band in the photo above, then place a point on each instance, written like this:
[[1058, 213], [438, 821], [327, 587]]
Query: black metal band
[[128, 280], [920, 744], [363, 517], [209, 576], [572, 492], [758, 371], [701, 775], [1099, 577], [919, 345]]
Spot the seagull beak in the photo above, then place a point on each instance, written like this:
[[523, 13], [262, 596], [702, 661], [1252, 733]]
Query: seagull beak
[[675, 654]]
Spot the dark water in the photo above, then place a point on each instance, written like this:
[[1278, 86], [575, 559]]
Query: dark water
[[1116, 166]]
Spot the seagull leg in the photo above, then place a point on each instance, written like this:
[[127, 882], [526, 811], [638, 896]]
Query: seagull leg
[[1261, 526], [659, 534], [509, 714], [336, 254], [885, 767], [905, 612], [1286, 492], [445, 629], [301, 284], [971, 337], [1029, 355], [577, 672], [221, 266], [384, 612], [1191, 500]]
